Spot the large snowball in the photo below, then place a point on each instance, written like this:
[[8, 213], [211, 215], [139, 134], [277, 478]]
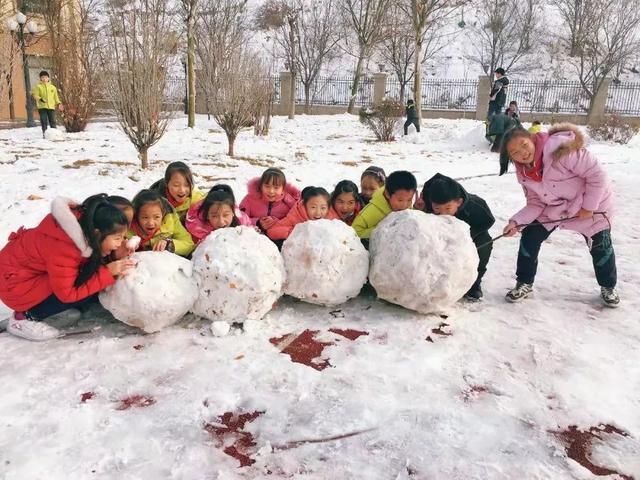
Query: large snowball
[[325, 261], [239, 274], [158, 292], [421, 261]]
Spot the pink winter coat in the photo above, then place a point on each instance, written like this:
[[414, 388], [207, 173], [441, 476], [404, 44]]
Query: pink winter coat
[[298, 214], [256, 206], [199, 228], [572, 179]]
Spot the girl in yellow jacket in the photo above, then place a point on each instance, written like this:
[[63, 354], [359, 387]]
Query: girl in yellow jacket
[[47, 99], [178, 188], [158, 225]]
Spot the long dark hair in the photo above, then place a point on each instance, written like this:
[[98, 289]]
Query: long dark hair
[[504, 153], [309, 192], [98, 219], [346, 186], [174, 167], [221, 194]]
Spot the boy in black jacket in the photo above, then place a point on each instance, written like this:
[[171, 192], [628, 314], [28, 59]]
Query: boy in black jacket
[[498, 95], [412, 117], [444, 196]]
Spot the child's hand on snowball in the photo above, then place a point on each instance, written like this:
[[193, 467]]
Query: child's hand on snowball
[[160, 246], [267, 222], [121, 267]]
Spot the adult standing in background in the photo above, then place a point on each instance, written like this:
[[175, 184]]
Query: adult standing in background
[[498, 95]]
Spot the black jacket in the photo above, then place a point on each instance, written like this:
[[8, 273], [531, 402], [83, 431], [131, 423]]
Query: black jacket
[[500, 124], [474, 211], [498, 94], [411, 112]]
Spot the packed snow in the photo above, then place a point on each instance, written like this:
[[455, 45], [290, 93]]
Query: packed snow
[[423, 262], [366, 390], [240, 275], [326, 263], [157, 293]]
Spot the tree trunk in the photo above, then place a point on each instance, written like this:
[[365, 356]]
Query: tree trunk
[[232, 140], [191, 77], [292, 67], [144, 158], [356, 82], [307, 103], [12, 108], [403, 89], [417, 79]]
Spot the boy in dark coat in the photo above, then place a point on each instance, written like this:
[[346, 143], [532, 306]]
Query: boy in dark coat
[[444, 196], [498, 95], [412, 117], [499, 125]]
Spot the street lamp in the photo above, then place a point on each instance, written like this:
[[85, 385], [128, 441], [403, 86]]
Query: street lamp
[[23, 32]]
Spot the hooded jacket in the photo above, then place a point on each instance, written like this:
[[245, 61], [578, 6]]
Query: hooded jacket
[[572, 179], [256, 206], [199, 228], [372, 214], [298, 214], [46, 96], [45, 260]]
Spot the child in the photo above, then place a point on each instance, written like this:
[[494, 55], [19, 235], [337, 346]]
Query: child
[[158, 225], [124, 205], [562, 181], [536, 127], [46, 98], [60, 264], [396, 195], [412, 117], [371, 180], [499, 125], [512, 111], [269, 198], [177, 187], [345, 201], [444, 196], [217, 210], [498, 95], [313, 206]]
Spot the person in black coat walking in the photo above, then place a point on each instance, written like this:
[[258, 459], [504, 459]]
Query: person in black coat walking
[[442, 195], [412, 117], [498, 95]]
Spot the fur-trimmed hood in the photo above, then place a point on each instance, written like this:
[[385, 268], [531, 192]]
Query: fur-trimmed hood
[[564, 138], [68, 222]]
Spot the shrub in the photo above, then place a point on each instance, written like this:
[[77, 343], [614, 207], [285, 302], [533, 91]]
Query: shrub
[[613, 128], [383, 118]]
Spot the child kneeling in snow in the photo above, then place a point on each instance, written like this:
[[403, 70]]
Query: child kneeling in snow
[[61, 264], [178, 188], [345, 201], [217, 210], [158, 225], [269, 198], [444, 196], [313, 206]]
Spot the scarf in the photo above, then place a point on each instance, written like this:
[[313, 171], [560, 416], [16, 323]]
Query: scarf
[[144, 237], [174, 203]]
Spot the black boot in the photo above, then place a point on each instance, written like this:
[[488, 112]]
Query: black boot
[[475, 292]]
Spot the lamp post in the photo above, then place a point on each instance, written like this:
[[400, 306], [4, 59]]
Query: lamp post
[[22, 32]]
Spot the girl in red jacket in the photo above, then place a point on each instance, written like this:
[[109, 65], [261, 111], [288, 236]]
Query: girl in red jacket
[[313, 206], [217, 210], [269, 198], [60, 264], [345, 201]]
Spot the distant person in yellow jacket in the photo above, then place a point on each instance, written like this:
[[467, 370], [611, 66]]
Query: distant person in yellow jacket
[[47, 100], [536, 127]]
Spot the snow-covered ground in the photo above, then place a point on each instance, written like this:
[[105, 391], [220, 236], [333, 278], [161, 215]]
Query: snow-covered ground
[[547, 389]]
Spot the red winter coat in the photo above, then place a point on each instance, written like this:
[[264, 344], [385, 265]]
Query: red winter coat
[[45, 260], [256, 206], [298, 214]]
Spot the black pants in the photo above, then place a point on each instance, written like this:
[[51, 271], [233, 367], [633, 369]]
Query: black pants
[[482, 239], [411, 121], [604, 258], [47, 117], [52, 305], [494, 109]]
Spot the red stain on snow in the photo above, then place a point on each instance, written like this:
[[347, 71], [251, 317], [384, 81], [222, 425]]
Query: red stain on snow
[[349, 333], [86, 396], [578, 445], [304, 349], [138, 401], [229, 432]]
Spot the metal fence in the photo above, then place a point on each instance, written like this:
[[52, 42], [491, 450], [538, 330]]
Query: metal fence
[[624, 99], [548, 96], [444, 94], [336, 91]]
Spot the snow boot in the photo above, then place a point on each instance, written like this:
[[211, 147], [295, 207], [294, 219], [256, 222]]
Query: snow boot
[[21, 326], [519, 292], [474, 294], [609, 297]]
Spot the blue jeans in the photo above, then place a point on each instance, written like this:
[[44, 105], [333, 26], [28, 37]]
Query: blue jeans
[[52, 306]]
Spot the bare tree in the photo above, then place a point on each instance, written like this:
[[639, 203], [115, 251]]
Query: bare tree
[[365, 19], [137, 61], [8, 55], [612, 41], [317, 36], [282, 18], [237, 93], [503, 34], [579, 17], [398, 47], [189, 10], [426, 18]]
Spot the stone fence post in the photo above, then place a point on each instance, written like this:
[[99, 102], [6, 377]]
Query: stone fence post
[[285, 89], [379, 86], [483, 94]]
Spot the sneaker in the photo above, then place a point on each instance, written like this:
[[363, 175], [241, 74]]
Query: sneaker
[[519, 292], [609, 297], [31, 330], [474, 294]]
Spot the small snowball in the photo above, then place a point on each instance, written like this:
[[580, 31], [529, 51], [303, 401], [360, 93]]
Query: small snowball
[[133, 242], [158, 292], [325, 261], [220, 328], [421, 261], [239, 274]]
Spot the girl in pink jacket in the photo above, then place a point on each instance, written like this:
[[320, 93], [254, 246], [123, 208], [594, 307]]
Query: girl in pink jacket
[[216, 210], [562, 181], [269, 198]]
